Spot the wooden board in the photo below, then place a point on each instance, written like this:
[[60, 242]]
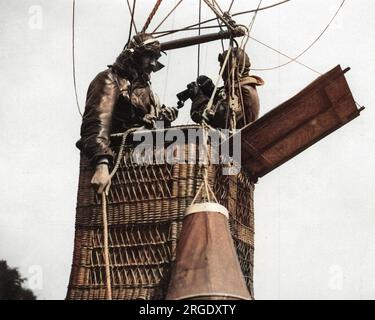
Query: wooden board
[[321, 108]]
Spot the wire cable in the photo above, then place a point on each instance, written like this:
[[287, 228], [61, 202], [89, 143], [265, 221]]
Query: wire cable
[[132, 23], [167, 16], [199, 33], [151, 16], [131, 14], [213, 19], [230, 6], [74, 60], [309, 47], [247, 36], [285, 55]]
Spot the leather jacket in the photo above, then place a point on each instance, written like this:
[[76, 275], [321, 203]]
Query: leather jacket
[[113, 104], [221, 116]]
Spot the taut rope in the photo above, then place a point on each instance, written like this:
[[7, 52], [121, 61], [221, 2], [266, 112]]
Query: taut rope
[[151, 16]]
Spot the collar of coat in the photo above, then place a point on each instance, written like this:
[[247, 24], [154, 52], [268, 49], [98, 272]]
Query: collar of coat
[[252, 80]]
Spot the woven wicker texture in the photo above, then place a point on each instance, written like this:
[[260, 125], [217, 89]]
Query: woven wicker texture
[[146, 205]]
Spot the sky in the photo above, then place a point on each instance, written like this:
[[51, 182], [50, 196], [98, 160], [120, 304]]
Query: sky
[[314, 216]]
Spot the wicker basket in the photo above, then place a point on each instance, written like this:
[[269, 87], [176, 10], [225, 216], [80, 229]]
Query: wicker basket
[[146, 207]]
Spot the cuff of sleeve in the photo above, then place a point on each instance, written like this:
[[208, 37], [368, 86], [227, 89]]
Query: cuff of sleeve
[[101, 159]]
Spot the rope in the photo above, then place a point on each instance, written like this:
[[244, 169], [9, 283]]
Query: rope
[[232, 95], [309, 47], [199, 33], [285, 55], [205, 184], [169, 57], [214, 2], [105, 215], [132, 22], [121, 150], [221, 40], [167, 16], [218, 14], [210, 102], [230, 6], [151, 16], [74, 60], [161, 33], [106, 248], [248, 35], [213, 19]]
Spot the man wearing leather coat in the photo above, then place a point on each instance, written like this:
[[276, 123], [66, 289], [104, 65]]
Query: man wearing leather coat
[[239, 89], [118, 99]]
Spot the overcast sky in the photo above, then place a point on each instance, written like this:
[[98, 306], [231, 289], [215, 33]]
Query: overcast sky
[[315, 215]]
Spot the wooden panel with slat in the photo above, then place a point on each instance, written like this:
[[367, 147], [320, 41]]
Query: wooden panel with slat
[[321, 108]]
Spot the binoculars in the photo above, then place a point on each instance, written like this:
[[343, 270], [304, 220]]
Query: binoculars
[[203, 83]]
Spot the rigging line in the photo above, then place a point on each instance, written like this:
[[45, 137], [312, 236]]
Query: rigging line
[[210, 102], [152, 14], [195, 28], [199, 33], [230, 6], [218, 15], [247, 36], [285, 55], [310, 46], [132, 23], [221, 40], [233, 15], [170, 12], [215, 3], [296, 61], [74, 60], [254, 17], [260, 9], [169, 56]]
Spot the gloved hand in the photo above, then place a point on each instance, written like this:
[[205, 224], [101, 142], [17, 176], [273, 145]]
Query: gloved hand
[[206, 85], [101, 179], [208, 114], [149, 121], [169, 113]]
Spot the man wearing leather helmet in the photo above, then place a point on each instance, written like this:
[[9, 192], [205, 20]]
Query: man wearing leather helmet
[[239, 88], [118, 99]]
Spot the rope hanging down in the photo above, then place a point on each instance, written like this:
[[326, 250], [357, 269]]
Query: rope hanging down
[[106, 253], [205, 183], [309, 47], [151, 16], [74, 60]]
